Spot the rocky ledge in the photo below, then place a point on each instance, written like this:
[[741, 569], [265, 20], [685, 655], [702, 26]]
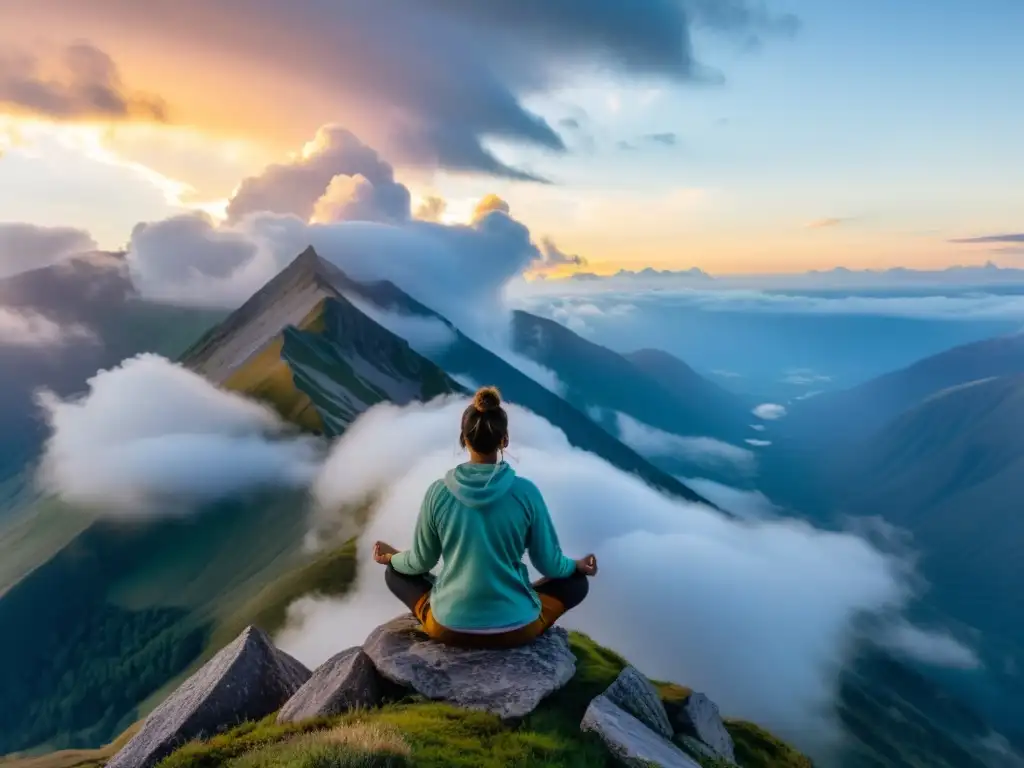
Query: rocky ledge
[[250, 679]]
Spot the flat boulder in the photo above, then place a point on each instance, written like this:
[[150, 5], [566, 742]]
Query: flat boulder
[[698, 716], [508, 683], [635, 694], [346, 681], [247, 680], [629, 740]]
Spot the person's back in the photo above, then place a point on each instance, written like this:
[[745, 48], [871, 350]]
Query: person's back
[[481, 518]]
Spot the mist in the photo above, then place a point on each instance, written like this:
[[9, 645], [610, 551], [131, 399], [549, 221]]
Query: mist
[[150, 437], [706, 452], [758, 614], [24, 328]]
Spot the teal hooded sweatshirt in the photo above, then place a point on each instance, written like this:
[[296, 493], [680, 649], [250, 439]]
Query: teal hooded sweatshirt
[[482, 518]]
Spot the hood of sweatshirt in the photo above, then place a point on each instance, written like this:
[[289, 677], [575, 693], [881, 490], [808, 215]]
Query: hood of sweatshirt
[[479, 485]]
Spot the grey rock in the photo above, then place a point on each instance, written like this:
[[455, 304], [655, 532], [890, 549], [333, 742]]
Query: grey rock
[[696, 747], [346, 681], [508, 683], [247, 680], [629, 740], [698, 716], [634, 693]]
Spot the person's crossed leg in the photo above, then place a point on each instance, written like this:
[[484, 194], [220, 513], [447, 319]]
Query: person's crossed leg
[[557, 596]]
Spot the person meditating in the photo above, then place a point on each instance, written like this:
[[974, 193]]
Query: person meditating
[[480, 519]]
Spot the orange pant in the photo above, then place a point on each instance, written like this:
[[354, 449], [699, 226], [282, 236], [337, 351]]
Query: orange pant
[[551, 609]]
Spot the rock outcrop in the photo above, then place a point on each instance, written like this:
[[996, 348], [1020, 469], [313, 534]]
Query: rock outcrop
[[346, 681], [629, 740], [635, 694], [697, 716], [507, 683], [640, 729], [247, 680]]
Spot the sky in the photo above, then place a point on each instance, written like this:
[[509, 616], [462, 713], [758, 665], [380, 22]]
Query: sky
[[731, 135]]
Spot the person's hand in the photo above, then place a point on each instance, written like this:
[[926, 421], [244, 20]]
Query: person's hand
[[587, 565], [383, 553]]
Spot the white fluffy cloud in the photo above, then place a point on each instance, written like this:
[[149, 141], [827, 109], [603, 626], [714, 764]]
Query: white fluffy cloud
[[704, 451], [27, 246], [938, 649], [738, 609], [25, 328], [749, 505], [770, 411], [335, 178], [149, 437]]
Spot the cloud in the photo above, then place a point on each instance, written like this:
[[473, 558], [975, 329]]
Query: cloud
[[665, 139], [703, 451], [740, 16], [748, 505], [79, 81], [27, 246], [768, 605], [938, 649], [758, 427], [436, 89], [488, 204], [25, 328], [826, 223], [431, 209], [150, 437], [804, 376], [552, 257], [461, 270], [1016, 237], [335, 178], [769, 411], [758, 443], [808, 395]]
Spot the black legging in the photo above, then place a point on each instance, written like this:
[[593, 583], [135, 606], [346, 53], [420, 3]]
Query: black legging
[[569, 591]]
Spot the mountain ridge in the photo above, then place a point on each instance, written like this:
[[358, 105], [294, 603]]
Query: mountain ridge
[[625, 387]]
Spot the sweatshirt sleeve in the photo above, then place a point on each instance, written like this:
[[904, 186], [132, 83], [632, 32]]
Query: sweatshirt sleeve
[[542, 541], [426, 544]]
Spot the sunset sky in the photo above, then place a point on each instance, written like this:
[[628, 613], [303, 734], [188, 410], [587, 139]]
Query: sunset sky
[[723, 134]]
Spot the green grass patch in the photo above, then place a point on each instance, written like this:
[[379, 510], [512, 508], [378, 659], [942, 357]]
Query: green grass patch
[[756, 748]]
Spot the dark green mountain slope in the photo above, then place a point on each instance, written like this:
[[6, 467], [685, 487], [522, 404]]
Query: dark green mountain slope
[[670, 397]]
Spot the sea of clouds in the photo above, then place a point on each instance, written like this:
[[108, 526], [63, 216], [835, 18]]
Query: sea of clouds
[[742, 609]]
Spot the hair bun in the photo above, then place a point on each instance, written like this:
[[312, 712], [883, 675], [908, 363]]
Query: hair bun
[[487, 399]]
